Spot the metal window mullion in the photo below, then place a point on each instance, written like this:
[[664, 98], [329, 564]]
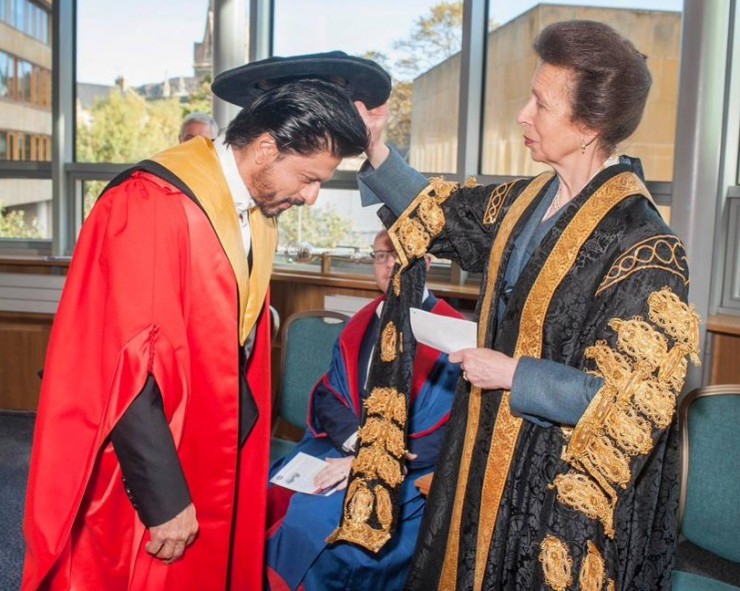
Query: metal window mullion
[[472, 83], [229, 45], [63, 121]]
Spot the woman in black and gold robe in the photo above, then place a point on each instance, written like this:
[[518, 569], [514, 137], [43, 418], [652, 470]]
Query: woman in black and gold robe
[[560, 467]]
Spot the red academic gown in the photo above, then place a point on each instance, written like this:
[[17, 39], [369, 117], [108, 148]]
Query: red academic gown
[[157, 286]]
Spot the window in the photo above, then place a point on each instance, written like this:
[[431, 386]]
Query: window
[[414, 40], [130, 105], [25, 122]]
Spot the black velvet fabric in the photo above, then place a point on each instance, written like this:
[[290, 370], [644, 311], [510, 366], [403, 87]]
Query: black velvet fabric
[[396, 374], [640, 556]]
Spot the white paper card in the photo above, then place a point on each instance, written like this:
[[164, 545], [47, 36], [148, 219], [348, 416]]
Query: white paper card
[[443, 333], [298, 474]]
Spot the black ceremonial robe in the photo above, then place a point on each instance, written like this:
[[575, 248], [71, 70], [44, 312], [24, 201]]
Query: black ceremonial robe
[[593, 506]]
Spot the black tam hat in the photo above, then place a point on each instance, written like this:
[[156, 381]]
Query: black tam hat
[[362, 79]]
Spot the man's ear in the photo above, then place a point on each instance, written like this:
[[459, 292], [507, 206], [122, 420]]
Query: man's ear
[[266, 149]]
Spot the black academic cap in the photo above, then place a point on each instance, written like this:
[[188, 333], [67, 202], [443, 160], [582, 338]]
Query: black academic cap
[[362, 79]]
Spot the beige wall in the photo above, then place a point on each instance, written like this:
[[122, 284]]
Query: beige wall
[[436, 96], [510, 63]]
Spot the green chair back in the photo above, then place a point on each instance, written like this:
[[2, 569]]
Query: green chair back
[[710, 491], [307, 344]]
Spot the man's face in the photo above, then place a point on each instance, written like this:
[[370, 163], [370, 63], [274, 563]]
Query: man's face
[[384, 259], [279, 183], [196, 128]]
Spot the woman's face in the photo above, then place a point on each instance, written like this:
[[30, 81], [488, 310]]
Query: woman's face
[[549, 131]]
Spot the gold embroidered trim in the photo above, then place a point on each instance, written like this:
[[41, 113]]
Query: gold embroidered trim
[[592, 570], [387, 402], [657, 252], [388, 343], [496, 202], [432, 216], [422, 221], [384, 507], [631, 431], [579, 492], [557, 565], [656, 402], [414, 238], [384, 433], [360, 505], [368, 507], [358, 510], [678, 320], [449, 568], [376, 463], [397, 284], [611, 585], [642, 380]]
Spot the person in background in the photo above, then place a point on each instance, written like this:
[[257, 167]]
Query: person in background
[[297, 553], [559, 468], [198, 124], [151, 446]]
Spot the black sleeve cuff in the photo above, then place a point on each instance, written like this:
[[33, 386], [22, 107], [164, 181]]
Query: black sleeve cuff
[[152, 474]]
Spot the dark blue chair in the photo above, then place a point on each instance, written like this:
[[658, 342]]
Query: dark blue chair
[[709, 509], [307, 343]]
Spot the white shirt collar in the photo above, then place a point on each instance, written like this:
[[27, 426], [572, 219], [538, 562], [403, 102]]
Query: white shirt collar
[[238, 189]]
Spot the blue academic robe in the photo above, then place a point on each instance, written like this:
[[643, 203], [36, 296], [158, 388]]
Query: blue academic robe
[[297, 554]]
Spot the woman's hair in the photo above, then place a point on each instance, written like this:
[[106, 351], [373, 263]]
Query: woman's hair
[[304, 117], [611, 78]]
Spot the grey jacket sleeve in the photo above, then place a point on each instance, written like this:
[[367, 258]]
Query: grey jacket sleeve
[[394, 183], [548, 393]]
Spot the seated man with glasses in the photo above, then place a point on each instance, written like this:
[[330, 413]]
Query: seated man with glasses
[[297, 553]]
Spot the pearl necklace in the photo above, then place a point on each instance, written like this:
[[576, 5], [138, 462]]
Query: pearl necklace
[[555, 204]]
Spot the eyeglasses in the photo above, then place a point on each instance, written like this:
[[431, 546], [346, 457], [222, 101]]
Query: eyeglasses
[[380, 257]]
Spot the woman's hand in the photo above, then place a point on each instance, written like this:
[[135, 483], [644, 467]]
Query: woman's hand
[[486, 368], [375, 119], [335, 474]]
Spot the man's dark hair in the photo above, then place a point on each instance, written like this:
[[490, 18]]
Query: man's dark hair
[[304, 117], [612, 80]]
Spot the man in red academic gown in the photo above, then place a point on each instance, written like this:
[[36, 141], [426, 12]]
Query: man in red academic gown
[[150, 456]]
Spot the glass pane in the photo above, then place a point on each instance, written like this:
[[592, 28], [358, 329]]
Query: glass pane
[[90, 192], [25, 208], [654, 26], [131, 103], [337, 226], [25, 118], [417, 41]]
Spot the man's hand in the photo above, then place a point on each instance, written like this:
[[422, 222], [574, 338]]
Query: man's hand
[[170, 539], [486, 368], [335, 474], [375, 120]]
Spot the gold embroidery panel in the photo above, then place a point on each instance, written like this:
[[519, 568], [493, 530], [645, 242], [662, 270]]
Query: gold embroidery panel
[[642, 381], [382, 447], [389, 343], [496, 202], [593, 571], [557, 565], [422, 221], [656, 252]]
